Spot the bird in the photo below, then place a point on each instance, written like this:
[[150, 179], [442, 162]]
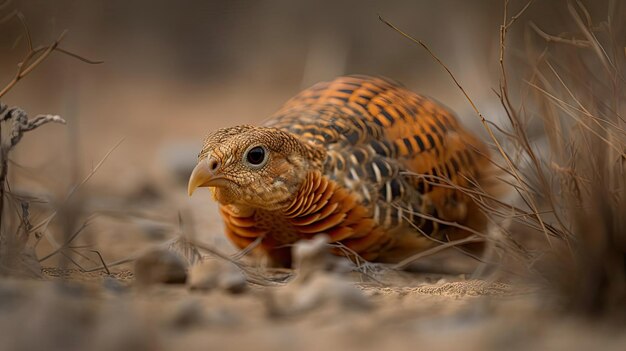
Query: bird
[[380, 170]]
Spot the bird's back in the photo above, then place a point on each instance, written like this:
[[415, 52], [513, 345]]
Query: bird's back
[[404, 156]]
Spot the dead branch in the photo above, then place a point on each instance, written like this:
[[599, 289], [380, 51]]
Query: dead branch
[[407, 261], [21, 125], [35, 56], [559, 39]]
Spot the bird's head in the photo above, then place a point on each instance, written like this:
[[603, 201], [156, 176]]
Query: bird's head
[[254, 166]]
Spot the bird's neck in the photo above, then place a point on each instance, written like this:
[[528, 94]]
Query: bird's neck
[[314, 154]]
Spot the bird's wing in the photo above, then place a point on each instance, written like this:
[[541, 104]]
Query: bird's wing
[[401, 152]]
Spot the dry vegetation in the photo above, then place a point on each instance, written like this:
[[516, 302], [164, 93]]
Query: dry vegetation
[[562, 154], [18, 235], [575, 181], [556, 242]]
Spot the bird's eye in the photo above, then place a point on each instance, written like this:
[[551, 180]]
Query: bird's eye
[[256, 156]]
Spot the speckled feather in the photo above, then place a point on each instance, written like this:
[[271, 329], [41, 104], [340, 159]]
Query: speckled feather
[[373, 139]]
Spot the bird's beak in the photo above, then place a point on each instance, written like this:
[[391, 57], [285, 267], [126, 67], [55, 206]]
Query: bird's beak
[[201, 176]]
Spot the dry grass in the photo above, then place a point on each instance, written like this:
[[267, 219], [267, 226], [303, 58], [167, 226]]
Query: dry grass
[[566, 231], [18, 236], [576, 89]]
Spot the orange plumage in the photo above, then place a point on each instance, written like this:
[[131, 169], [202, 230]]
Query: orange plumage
[[361, 159]]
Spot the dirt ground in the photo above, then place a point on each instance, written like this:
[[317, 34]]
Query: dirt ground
[[316, 309], [73, 310]]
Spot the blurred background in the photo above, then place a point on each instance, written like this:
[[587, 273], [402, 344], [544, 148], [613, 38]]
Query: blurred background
[[174, 71]]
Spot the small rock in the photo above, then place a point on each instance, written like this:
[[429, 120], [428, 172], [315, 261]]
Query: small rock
[[322, 290], [223, 317], [311, 256], [147, 192], [160, 266], [317, 283], [113, 285], [188, 313], [325, 289], [10, 296], [212, 274], [204, 275], [232, 279]]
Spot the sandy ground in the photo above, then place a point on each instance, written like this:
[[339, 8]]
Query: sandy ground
[[73, 310]]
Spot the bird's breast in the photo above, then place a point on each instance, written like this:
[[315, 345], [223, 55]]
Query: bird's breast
[[319, 207]]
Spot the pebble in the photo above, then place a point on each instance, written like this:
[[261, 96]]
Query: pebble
[[204, 275], [232, 279], [324, 289], [160, 266], [212, 274], [311, 256], [187, 313]]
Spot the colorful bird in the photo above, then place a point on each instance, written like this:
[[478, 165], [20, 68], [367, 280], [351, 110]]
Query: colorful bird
[[379, 169]]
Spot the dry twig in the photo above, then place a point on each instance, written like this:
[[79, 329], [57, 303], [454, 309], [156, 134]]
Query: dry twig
[[35, 56]]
